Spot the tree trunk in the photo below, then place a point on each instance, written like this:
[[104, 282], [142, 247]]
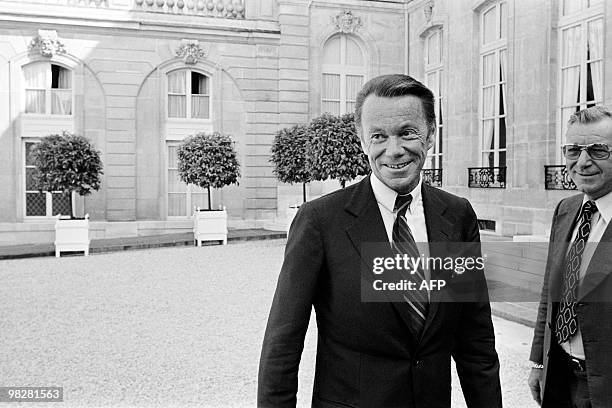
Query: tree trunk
[[209, 198], [304, 191]]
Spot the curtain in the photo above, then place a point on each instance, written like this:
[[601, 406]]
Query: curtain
[[353, 85], [199, 106], [35, 76], [177, 99], [331, 94], [595, 47]]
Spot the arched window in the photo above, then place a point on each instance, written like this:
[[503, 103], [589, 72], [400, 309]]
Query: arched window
[[48, 89], [582, 57], [188, 95], [494, 65], [343, 74], [433, 79]]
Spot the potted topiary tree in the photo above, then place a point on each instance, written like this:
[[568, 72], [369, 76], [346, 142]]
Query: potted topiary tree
[[208, 160], [334, 149], [289, 152], [68, 163]]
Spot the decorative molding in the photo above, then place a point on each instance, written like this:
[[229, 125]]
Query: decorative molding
[[428, 10], [191, 51], [346, 22], [47, 44]]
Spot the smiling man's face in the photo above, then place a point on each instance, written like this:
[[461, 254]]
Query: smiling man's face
[[395, 137], [592, 177]]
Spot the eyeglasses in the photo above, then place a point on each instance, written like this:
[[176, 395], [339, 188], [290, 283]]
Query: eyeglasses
[[597, 151]]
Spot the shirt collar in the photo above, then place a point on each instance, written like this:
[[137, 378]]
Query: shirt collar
[[386, 195], [604, 206]]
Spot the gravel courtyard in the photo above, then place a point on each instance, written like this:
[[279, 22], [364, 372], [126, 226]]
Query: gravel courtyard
[[164, 327]]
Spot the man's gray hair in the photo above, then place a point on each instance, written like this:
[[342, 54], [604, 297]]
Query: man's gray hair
[[590, 115]]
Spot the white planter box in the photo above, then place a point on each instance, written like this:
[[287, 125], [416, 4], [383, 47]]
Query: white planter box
[[71, 235], [209, 226]]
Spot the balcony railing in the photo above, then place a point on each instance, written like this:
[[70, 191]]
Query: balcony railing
[[209, 8], [432, 177], [557, 178], [487, 177], [81, 3]]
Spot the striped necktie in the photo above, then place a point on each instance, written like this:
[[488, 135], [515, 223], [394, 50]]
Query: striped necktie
[[404, 243], [567, 324]]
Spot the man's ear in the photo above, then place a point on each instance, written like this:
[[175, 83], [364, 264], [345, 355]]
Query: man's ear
[[364, 147], [431, 138]]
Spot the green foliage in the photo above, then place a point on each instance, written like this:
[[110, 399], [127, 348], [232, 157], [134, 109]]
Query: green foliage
[[66, 163], [208, 160], [335, 150], [289, 152]]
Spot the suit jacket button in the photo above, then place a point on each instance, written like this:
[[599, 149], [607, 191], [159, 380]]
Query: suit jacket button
[[417, 362], [580, 304]]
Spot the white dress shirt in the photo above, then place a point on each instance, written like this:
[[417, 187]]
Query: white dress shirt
[[599, 223], [415, 215]]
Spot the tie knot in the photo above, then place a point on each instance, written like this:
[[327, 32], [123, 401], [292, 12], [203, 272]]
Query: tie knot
[[589, 208], [402, 202]]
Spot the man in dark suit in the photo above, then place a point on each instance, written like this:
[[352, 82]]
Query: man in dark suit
[[385, 354], [572, 347]]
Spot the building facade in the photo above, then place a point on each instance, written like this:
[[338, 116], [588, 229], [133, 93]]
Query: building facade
[[138, 76]]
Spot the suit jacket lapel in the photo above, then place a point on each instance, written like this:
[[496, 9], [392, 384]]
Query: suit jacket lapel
[[439, 229], [599, 267], [566, 218]]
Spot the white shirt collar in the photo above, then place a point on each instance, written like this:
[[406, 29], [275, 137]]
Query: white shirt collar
[[386, 195], [604, 206]]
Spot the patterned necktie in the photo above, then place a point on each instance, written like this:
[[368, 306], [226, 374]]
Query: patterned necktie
[[567, 324], [403, 243]]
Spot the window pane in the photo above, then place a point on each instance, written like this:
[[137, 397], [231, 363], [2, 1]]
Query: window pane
[[503, 20], [489, 69], [177, 106], [199, 107], [488, 101], [28, 153], [489, 23], [502, 159], [502, 133], [571, 44], [172, 157], [570, 89], [353, 53], [440, 139], [61, 204], [176, 82], [35, 101], [353, 85], [60, 77], [175, 185], [199, 200], [433, 48], [199, 84], [61, 102], [330, 107], [331, 86], [36, 75], [36, 204], [177, 204], [571, 6], [331, 52], [30, 186], [593, 3]]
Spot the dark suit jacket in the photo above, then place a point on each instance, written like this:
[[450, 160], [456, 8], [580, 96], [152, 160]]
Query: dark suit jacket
[[593, 312], [366, 354]]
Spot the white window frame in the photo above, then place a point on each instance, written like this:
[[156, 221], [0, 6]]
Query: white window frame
[[494, 47], [343, 70], [581, 19], [48, 195], [437, 69], [188, 95], [48, 90]]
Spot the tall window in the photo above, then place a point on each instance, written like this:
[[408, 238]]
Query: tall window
[[343, 74], [493, 57], [48, 89], [582, 62], [433, 80], [182, 198], [188, 95], [43, 204]]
